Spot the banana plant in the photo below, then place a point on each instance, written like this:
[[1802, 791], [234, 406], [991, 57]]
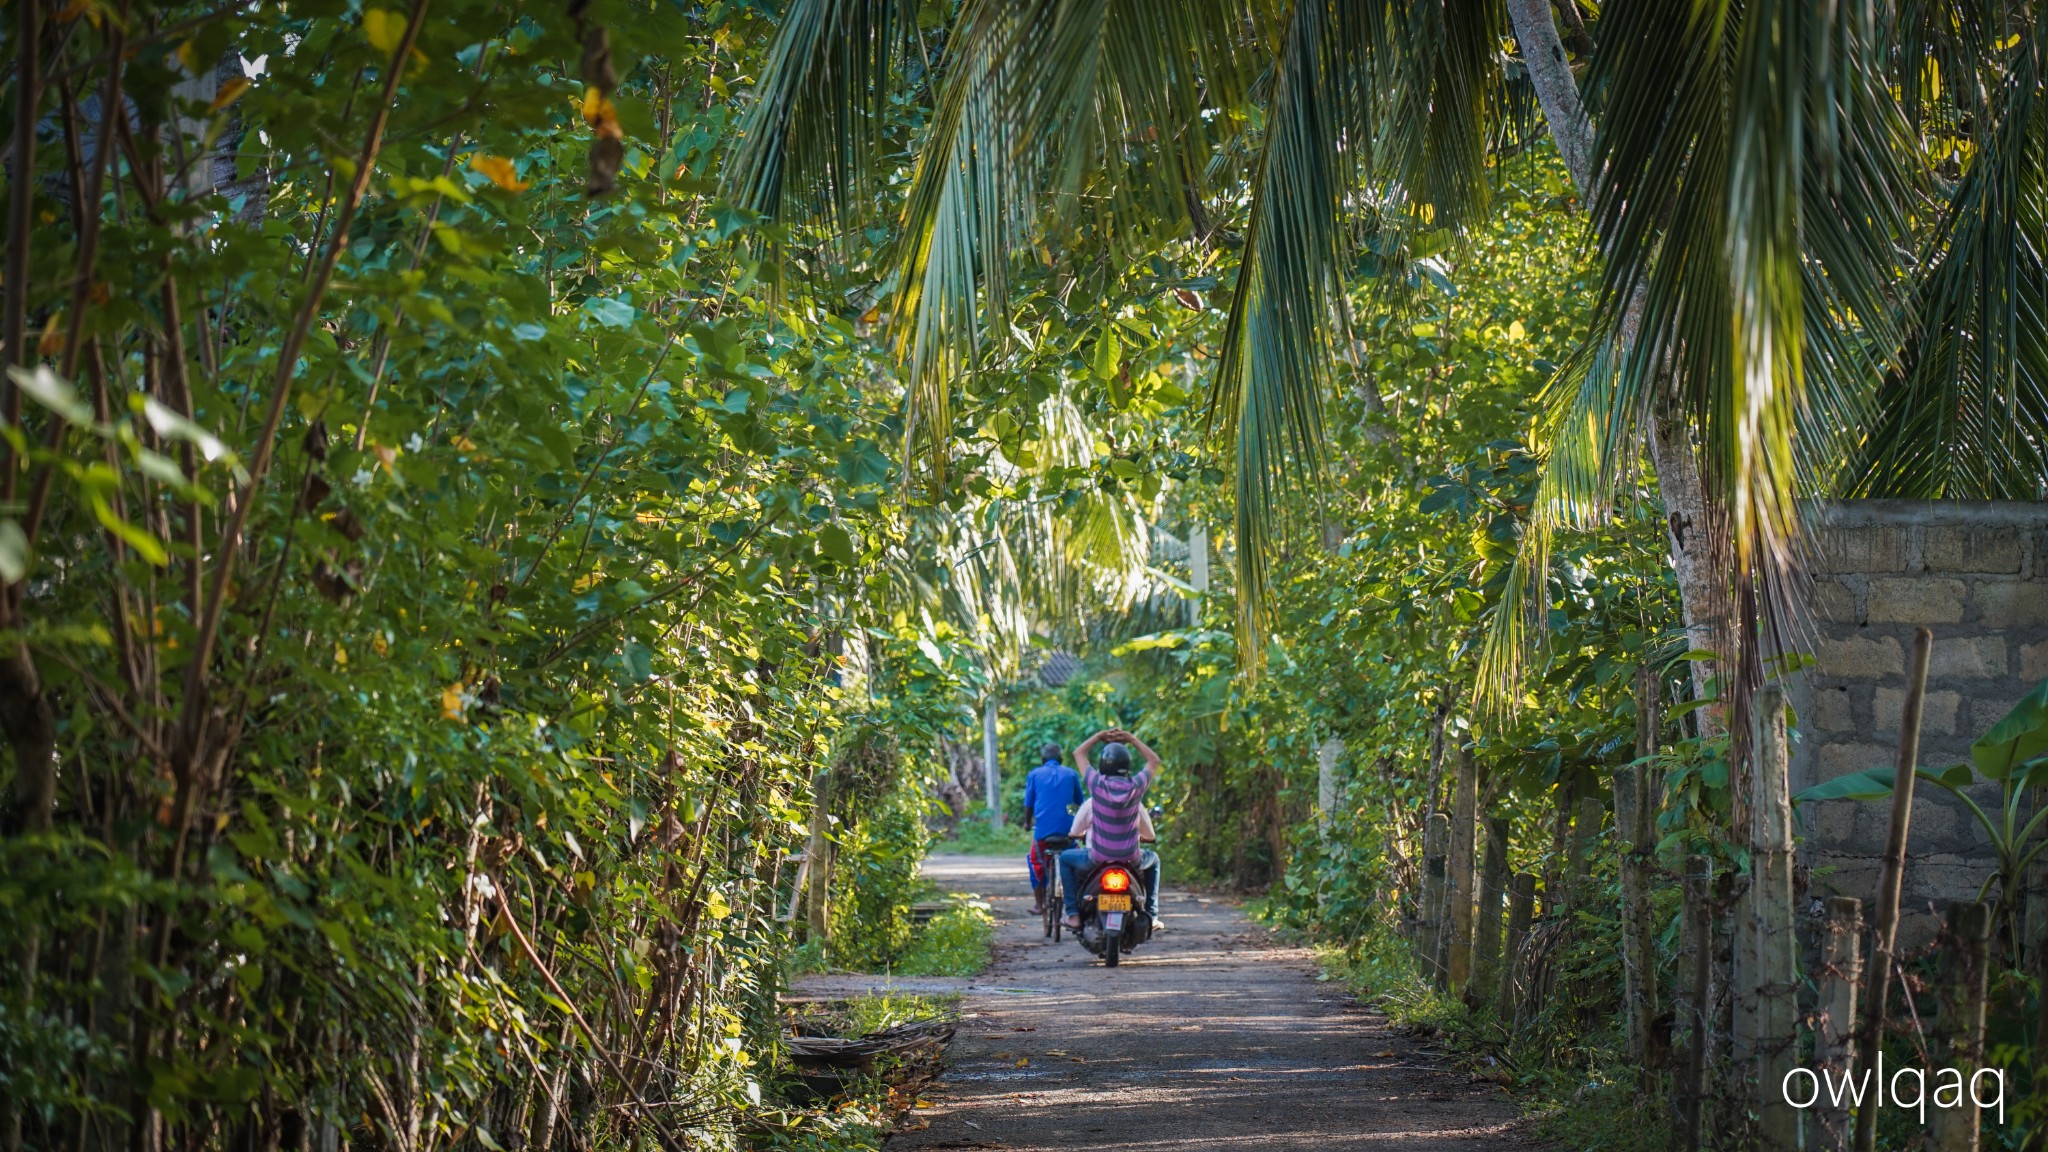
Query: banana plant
[[2013, 754]]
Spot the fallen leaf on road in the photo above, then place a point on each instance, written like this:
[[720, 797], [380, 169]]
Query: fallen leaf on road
[[1022, 1061]]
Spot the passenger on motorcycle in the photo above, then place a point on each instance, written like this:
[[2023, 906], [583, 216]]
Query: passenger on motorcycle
[[1118, 798], [1148, 860], [1051, 791]]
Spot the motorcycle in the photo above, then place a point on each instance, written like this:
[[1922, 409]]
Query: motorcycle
[[1113, 918]]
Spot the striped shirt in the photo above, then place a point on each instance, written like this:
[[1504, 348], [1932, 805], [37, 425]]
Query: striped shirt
[[1113, 833]]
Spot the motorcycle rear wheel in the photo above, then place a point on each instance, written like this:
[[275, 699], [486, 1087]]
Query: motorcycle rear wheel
[[1111, 945]]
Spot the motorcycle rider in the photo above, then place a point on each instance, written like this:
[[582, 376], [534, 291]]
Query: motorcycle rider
[[1148, 860], [1118, 798]]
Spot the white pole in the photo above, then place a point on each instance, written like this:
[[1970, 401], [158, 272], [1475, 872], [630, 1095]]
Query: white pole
[[991, 771], [1326, 781]]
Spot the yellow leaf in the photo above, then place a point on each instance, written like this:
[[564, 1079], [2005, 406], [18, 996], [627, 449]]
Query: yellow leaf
[[188, 57], [464, 442], [340, 656], [379, 645], [1022, 1061], [585, 582], [451, 703], [51, 342], [500, 171], [600, 115], [1516, 332], [228, 94], [716, 906], [385, 29]]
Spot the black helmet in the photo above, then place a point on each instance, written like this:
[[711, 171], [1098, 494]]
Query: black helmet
[[1116, 760], [1049, 750]]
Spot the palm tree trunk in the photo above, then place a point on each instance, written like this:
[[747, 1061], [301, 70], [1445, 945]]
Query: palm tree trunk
[[1700, 555]]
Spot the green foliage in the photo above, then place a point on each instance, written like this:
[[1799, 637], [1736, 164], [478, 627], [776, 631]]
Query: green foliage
[[975, 836], [2009, 755], [431, 581], [875, 878], [954, 943]]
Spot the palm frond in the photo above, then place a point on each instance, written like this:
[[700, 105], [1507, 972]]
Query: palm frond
[[1965, 412], [1054, 118], [1370, 102], [1593, 416], [1750, 188], [806, 144]]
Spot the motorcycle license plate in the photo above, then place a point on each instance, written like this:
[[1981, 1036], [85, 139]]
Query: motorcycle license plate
[[1108, 903]]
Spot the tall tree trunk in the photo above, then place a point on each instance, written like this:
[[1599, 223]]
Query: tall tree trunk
[[1700, 554]]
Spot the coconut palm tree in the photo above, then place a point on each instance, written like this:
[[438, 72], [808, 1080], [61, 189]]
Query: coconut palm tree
[[1821, 226]]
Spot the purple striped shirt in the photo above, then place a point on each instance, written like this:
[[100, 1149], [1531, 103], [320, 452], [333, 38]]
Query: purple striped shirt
[[1113, 833]]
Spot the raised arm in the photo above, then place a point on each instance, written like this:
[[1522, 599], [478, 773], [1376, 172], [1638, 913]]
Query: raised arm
[[1081, 753], [1144, 749]]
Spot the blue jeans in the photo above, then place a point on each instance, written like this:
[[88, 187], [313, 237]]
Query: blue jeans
[[1075, 862]]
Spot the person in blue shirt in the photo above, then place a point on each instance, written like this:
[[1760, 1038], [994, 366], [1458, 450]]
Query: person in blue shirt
[[1051, 792]]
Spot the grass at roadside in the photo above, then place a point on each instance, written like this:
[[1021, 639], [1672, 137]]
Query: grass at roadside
[[974, 837], [954, 943], [1583, 1093]]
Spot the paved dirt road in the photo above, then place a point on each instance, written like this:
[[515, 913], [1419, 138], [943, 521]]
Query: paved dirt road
[[1212, 1036]]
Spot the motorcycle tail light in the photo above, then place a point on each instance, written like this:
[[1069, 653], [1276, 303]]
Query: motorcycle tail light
[[1116, 880]]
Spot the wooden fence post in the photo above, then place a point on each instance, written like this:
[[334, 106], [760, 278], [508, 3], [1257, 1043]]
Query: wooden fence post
[[1556, 866], [1436, 838], [1521, 910], [1696, 964], [1835, 1029], [1959, 1029], [818, 859], [1638, 940], [1585, 834], [1639, 834], [1884, 927], [1493, 879], [1464, 826], [1775, 973]]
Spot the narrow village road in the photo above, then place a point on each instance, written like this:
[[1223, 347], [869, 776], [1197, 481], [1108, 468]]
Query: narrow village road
[[1213, 1036]]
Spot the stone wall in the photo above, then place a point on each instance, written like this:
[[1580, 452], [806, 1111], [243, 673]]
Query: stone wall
[[1976, 573]]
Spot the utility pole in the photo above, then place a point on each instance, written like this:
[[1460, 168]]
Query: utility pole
[[1198, 569], [991, 771]]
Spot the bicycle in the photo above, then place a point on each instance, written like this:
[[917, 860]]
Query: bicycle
[[1052, 846]]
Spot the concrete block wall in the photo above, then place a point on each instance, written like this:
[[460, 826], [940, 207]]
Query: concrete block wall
[[1976, 573]]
